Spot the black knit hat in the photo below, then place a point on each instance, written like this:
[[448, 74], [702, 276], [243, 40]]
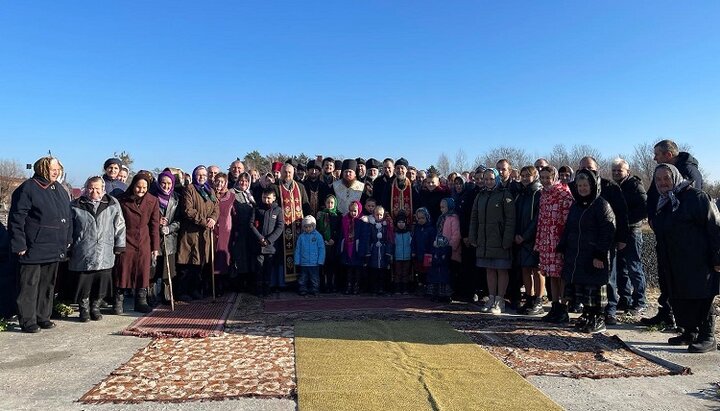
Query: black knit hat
[[111, 161], [338, 164], [313, 164], [401, 162], [349, 164], [360, 160]]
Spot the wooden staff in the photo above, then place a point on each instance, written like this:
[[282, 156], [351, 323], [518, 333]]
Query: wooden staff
[[212, 262], [167, 266]]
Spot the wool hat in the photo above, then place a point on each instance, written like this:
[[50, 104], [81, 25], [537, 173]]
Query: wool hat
[[401, 162], [308, 220], [277, 166], [313, 164], [349, 164], [111, 161], [301, 167], [338, 164], [372, 163], [360, 160]]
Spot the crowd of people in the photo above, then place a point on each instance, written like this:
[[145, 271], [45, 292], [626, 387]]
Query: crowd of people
[[503, 238]]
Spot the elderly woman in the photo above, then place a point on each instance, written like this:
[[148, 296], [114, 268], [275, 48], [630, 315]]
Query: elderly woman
[[201, 210], [168, 200], [98, 235], [142, 238], [242, 264], [40, 234], [687, 227], [113, 184], [492, 229]]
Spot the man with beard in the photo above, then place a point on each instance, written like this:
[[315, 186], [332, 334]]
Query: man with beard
[[316, 189], [399, 193], [372, 168], [236, 168], [348, 189], [328, 166], [293, 201], [361, 170], [381, 185]]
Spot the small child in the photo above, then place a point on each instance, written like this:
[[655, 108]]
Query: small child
[[353, 246], [402, 267], [369, 209], [267, 226], [445, 248], [380, 250], [328, 225], [309, 256], [422, 243]]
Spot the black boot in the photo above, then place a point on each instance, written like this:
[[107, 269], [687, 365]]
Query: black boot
[[95, 314], [583, 320], [705, 341], [561, 316], [686, 338], [84, 305], [152, 297], [119, 299], [141, 304], [665, 317], [549, 317]]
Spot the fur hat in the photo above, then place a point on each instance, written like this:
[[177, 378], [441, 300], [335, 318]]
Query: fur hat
[[349, 164]]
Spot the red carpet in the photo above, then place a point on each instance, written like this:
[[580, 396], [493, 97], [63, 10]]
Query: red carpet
[[310, 304], [197, 319]]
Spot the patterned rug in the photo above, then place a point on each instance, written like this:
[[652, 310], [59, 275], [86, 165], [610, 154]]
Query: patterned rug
[[300, 304], [197, 319], [257, 361]]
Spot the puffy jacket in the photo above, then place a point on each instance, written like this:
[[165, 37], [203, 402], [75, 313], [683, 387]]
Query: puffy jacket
[[403, 250], [492, 224], [39, 221], [527, 208], [636, 199], [310, 249], [97, 236]]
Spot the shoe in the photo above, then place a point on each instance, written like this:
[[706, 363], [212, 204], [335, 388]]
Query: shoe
[[485, 308], [581, 322], [576, 308], [536, 308], [95, 314], [622, 305], [596, 324], [496, 308], [525, 308], [119, 299], [685, 338], [561, 315], [32, 329], [702, 346], [47, 325], [550, 316], [658, 319], [141, 304], [611, 319], [638, 311], [84, 306]]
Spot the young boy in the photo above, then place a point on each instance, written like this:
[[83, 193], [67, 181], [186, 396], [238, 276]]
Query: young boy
[[380, 250], [267, 226], [309, 256], [402, 267]]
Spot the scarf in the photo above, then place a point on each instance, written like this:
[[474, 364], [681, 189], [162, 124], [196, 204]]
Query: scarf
[[162, 195], [679, 184], [247, 194], [323, 221], [440, 238], [205, 191], [348, 227]]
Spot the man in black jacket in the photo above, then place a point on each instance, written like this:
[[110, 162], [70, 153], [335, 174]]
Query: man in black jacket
[[630, 274], [612, 193], [667, 152]]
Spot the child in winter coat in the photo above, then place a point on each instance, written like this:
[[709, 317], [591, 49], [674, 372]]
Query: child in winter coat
[[309, 256], [446, 247], [380, 250], [354, 246], [402, 267], [422, 243], [329, 226], [267, 225]]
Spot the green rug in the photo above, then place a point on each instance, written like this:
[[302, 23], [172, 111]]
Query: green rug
[[403, 365]]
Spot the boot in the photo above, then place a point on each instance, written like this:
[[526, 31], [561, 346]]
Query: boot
[[141, 303], [662, 317], [596, 322], [84, 305], [488, 305], [549, 317], [705, 341], [536, 308], [561, 316], [686, 338], [119, 299], [582, 321], [152, 297], [95, 314]]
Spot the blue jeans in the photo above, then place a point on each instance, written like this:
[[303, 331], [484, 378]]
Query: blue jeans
[[612, 292], [631, 277], [311, 274]]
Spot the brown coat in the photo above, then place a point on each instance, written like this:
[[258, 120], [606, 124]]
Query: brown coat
[[142, 236], [194, 239]]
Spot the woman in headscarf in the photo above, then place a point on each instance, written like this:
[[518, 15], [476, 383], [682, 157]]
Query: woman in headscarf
[[98, 235], [446, 252], [687, 228], [354, 246], [585, 244], [223, 229], [492, 228], [40, 235], [328, 225], [555, 202], [142, 221], [242, 267], [200, 211], [168, 200]]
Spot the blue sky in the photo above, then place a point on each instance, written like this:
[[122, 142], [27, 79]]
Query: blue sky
[[186, 82]]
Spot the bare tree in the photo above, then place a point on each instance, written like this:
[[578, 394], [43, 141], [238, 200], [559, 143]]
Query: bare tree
[[479, 161], [11, 175], [517, 157], [460, 161], [560, 157], [643, 162], [443, 165]]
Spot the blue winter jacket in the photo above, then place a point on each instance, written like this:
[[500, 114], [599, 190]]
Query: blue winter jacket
[[403, 248], [310, 249]]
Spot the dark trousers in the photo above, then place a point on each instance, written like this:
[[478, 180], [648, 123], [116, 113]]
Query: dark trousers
[[309, 274], [693, 314], [263, 274], [92, 285], [378, 277], [612, 287], [36, 283], [630, 274]]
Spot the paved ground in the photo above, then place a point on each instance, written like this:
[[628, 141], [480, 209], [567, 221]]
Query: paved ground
[[53, 369]]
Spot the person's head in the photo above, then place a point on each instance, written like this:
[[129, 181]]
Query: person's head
[[361, 169], [586, 187], [504, 168], [94, 188], [412, 174], [312, 170], [354, 209], [213, 171], [308, 224], [466, 175], [620, 170], [528, 175], [379, 213], [48, 167], [548, 176], [541, 163], [588, 163], [459, 184], [243, 182], [328, 165], [422, 216], [491, 178], [372, 168], [330, 202], [370, 205], [388, 167], [665, 152], [123, 174], [432, 182], [254, 175], [401, 221], [276, 170], [666, 177], [112, 168], [582, 182], [401, 168], [268, 196], [565, 174], [348, 170], [515, 174], [301, 172], [166, 182], [236, 168], [220, 182], [200, 175], [139, 185], [288, 173], [447, 204], [422, 175]]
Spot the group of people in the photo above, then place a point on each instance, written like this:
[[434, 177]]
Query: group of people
[[357, 225]]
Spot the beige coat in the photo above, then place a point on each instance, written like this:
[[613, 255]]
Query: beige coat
[[194, 238]]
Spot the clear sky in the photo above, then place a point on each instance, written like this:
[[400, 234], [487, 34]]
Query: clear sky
[[197, 82]]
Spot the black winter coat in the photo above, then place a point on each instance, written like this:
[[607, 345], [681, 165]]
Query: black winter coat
[[611, 192], [636, 200], [688, 245], [588, 234], [463, 207], [40, 221], [527, 207]]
